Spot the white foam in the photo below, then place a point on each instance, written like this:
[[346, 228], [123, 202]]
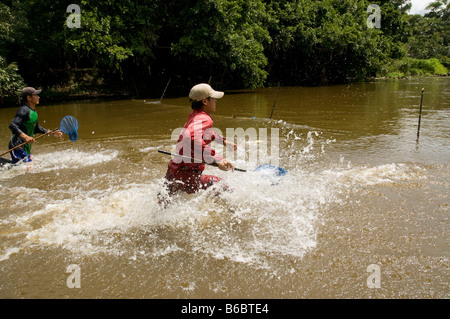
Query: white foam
[[72, 159], [381, 174], [254, 221], [150, 148], [9, 252]]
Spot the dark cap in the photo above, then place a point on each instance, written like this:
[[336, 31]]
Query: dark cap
[[29, 91]]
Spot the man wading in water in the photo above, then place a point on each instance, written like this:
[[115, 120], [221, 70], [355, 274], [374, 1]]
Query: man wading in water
[[184, 174], [24, 125]]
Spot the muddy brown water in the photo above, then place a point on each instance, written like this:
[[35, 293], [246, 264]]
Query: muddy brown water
[[362, 213]]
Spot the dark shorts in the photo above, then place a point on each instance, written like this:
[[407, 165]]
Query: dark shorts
[[188, 180], [18, 155]]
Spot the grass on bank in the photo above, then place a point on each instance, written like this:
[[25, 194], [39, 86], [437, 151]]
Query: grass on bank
[[410, 67]]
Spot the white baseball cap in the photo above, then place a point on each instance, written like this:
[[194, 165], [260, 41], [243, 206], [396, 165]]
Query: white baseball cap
[[203, 91]]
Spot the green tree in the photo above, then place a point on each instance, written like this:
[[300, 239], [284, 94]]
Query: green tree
[[36, 42], [229, 33], [328, 41], [101, 38], [430, 34], [251, 41], [441, 10], [11, 82]]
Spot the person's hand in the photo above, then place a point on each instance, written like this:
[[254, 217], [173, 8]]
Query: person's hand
[[27, 139], [225, 165], [57, 134]]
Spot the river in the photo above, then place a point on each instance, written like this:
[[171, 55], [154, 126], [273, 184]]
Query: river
[[362, 212]]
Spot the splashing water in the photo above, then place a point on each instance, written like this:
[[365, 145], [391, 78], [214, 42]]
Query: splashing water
[[251, 224]]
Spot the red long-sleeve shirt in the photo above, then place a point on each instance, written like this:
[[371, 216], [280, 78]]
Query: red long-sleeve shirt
[[194, 142]]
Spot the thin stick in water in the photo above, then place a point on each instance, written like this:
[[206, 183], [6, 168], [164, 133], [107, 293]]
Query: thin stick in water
[[420, 116], [165, 90], [275, 100]]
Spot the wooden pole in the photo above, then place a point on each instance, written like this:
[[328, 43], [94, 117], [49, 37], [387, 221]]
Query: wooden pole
[[275, 100], [191, 158], [17, 146], [165, 90], [420, 116]]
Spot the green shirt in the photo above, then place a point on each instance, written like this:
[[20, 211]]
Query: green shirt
[[25, 121]]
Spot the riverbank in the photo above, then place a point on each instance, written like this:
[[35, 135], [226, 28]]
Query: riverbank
[[60, 94]]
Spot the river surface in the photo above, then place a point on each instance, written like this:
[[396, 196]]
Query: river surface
[[362, 212]]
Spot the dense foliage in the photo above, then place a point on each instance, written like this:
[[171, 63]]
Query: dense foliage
[[139, 45]]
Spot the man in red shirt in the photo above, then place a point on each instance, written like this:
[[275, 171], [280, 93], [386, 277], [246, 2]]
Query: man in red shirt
[[184, 174]]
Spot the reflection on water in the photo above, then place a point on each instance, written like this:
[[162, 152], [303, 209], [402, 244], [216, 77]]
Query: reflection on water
[[359, 192]]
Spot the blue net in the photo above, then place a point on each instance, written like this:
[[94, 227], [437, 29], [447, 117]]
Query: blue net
[[69, 125], [271, 172]]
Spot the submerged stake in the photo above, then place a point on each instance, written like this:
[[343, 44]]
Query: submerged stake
[[420, 116], [275, 101], [165, 90]]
